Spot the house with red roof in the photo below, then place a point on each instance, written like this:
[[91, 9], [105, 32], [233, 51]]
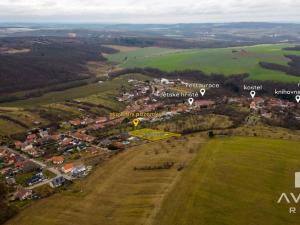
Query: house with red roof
[[19, 144], [67, 168], [204, 103], [76, 122], [83, 137], [31, 138], [66, 142], [57, 160]]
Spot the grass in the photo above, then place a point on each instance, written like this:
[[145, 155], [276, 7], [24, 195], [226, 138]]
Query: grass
[[19, 114], [265, 131], [49, 174], [66, 108], [152, 135], [86, 91], [21, 178], [220, 60], [115, 193], [8, 128], [121, 48], [26, 118], [127, 58], [195, 122], [235, 181], [58, 96], [105, 98], [229, 181]]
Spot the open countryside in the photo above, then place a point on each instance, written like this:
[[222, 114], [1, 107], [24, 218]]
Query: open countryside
[[180, 197], [234, 175], [225, 61], [170, 121], [129, 197], [128, 174]]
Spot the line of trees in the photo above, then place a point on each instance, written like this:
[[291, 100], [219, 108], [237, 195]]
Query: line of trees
[[293, 67], [6, 211]]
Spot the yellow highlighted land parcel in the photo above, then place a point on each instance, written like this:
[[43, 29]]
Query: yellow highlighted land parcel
[[153, 135]]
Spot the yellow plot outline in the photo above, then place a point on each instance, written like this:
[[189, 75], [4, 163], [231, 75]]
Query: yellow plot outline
[[152, 135]]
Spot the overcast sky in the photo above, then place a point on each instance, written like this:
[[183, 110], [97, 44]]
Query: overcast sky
[[146, 11]]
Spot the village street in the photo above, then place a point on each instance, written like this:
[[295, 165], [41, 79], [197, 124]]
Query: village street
[[42, 165]]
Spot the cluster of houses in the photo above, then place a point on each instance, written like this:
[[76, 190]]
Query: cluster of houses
[[146, 98], [36, 145], [33, 139], [56, 147], [264, 107], [12, 164], [9, 159]]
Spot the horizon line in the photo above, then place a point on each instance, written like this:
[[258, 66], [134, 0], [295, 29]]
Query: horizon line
[[130, 23]]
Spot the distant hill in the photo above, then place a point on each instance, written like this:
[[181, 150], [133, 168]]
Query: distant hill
[[27, 63]]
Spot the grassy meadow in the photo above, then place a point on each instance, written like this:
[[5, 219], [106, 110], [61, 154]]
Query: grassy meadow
[[8, 128], [26, 119], [86, 92], [115, 193], [235, 181], [195, 122], [152, 135], [225, 181], [219, 60]]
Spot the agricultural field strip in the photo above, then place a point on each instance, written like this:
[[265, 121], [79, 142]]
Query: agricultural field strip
[[225, 61], [240, 176], [116, 193]]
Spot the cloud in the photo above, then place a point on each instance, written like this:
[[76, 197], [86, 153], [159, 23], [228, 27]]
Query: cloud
[[154, 11]]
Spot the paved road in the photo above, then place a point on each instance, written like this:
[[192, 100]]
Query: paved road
[[41, 164], [58, 173]]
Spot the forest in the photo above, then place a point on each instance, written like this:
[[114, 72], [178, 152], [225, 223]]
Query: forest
[[48, 61], [6, 211], [293, 67]]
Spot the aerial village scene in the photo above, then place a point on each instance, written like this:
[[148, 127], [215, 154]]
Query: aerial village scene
[[53, 159]]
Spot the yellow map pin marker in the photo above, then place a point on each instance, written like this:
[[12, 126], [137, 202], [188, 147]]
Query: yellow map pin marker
[[136, 122]]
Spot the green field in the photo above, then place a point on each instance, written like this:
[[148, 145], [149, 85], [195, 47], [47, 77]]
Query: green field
[[220, 60], [141, 53], [235, 181], [153, 135], [195, 122], [102, 92], [115, 193], [8, 128], [226, 181]]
